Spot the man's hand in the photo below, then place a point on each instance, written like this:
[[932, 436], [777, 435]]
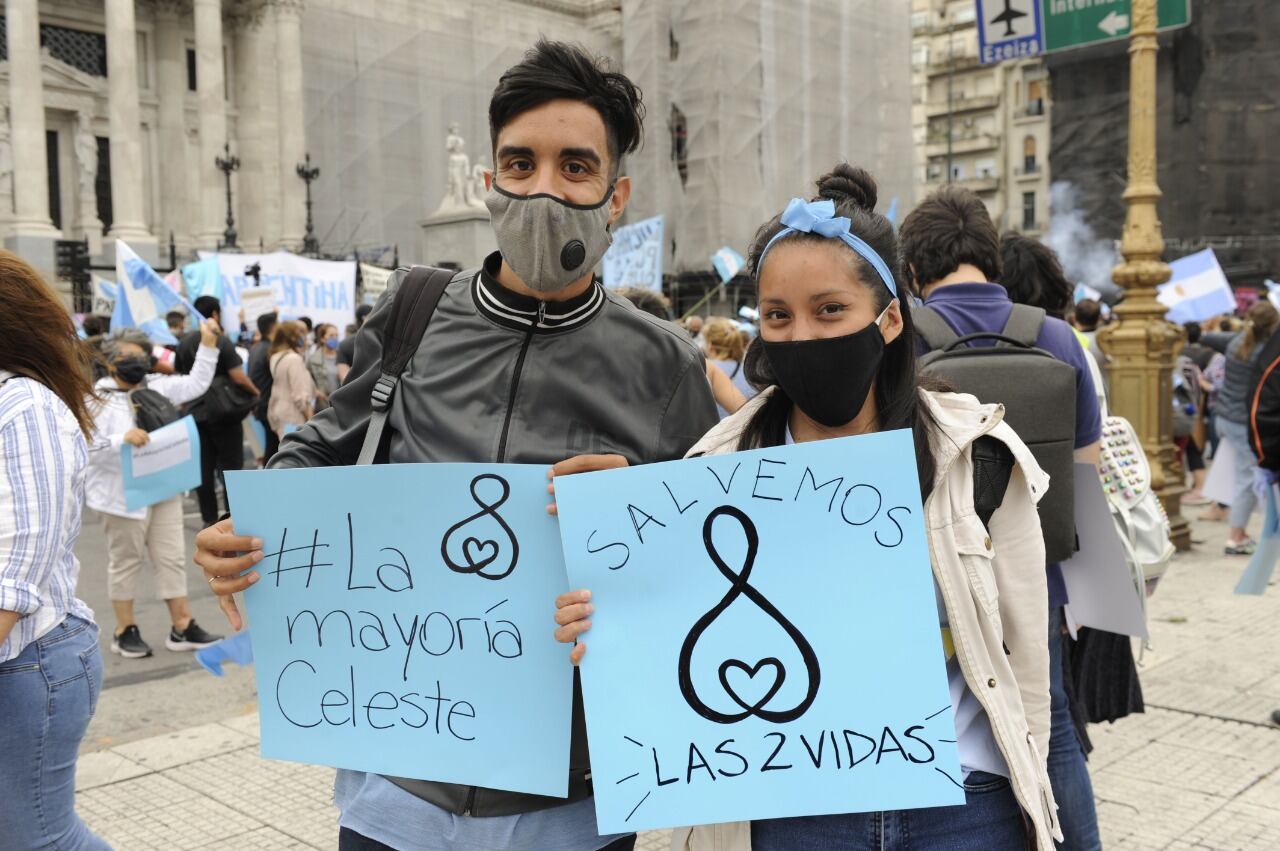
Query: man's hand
[[225, 556], [209, 332], [136, 437], [581, 464], [573, 611]]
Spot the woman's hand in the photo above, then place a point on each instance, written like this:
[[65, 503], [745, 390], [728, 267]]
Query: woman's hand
[[136, 437], [573, 612], [225, 556]]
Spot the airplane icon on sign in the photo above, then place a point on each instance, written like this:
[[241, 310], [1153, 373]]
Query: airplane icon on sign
[[1007, 17]]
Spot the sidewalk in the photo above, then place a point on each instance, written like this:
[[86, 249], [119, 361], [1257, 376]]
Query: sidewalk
[[1201, 769]]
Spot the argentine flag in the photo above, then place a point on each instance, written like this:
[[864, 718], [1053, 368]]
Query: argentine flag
[[144, 298], [728, 263], [1198, 289]]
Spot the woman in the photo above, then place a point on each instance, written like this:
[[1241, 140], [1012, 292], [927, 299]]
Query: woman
[[292, 390], [725, 349], [50, 665], [155, 530], [322, 363], [836, 356], [1232, 407]]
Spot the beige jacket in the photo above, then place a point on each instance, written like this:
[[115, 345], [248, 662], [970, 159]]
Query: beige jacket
[[292, 392], [993, 587]]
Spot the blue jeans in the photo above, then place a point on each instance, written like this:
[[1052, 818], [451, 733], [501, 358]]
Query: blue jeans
[[989, 820], [1244, 499], [1068, 772], [47, 695]]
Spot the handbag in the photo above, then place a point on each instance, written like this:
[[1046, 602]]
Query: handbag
[[224, 401]]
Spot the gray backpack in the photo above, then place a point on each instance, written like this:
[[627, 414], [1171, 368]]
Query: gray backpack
[[1038, 392]]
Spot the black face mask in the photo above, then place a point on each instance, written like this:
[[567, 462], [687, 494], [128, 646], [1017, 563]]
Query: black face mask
[[828, 379], [132, 368]]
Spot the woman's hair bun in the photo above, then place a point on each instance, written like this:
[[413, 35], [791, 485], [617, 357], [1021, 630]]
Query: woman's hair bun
[[849, 184]]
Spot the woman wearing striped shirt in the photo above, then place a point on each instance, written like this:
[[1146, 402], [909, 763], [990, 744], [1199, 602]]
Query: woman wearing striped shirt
[[50, 665]]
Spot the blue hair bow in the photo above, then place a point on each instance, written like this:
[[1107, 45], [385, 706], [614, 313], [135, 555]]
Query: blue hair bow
[[819, 217]]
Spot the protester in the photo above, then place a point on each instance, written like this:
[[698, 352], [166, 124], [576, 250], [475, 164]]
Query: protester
[[837, 355], [650, 301], [951, 251], [157, 529], [48, 639], [177, 322], [260, 375], [1232, 418], [322, 363], [347, 348], [293, 393], [693, 324], [221, 440], [725, 349], [1264, 422], [526, 360]]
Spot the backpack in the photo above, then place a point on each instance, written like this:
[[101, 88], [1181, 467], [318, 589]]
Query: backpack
[[411, 312], [152, 409], [1139, 517], [1038, 392]]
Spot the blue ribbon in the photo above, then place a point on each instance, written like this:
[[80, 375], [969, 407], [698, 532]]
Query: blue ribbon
[[819, 218]]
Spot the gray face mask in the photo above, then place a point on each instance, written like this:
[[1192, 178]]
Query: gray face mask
[[547, 241]]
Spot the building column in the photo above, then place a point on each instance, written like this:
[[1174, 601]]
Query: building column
[[210, 84], [26, 114], [128, 220], [293, 136], [171, 80]]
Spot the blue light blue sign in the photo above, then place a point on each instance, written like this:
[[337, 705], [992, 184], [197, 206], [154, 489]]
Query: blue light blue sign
[[635, 258], [1009, 29], [169, 464], [766, 639], [403, 622]]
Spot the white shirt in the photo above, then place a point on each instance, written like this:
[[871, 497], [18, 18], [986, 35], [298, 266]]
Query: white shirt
[[112, 417]]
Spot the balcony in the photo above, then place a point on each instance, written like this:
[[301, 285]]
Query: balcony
[[1029, 112], [943, 65], [965, 104], [1029, 172], [937, 147], [977, 185]]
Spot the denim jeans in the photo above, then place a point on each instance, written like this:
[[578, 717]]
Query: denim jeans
[[349, 840], [989, 820], [47, 695], [1244, 499], [1068, 772]]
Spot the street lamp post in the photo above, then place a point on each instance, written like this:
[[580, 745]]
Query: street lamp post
[[310, 245], [1142, 344], [227, 165]]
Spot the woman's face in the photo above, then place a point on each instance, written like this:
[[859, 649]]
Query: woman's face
[[330, 333], [808, 291]]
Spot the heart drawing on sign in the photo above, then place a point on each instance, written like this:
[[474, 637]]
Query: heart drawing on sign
[[779, 676], [479, 554]]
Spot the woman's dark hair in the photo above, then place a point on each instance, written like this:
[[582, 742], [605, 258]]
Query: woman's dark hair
[[38, 339], [948, 229], [1193, 330], [897, 386], [1033, 275], [320, 330], [286, 337], [553, 70]]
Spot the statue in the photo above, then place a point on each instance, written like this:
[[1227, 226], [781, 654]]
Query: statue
[[87, 156], [458, 192], [476, 186], [6, 165]]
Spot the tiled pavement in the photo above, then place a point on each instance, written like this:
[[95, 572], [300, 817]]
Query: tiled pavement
[[1201, 769]]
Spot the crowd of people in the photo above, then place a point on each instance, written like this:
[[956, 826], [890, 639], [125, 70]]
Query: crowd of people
[[846, 304]]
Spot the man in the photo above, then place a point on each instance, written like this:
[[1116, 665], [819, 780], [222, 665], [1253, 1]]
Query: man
[[260, 374], [347, 348], [221, 443], [526, 360], [1264, 423], [952, 253]]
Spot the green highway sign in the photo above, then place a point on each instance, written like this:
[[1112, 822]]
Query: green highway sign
[[1077, 23]]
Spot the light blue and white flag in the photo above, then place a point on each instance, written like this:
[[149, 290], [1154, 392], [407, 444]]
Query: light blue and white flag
[[203, 277], [1198, 289], [1084, 291], [892, 215], [728, 263], [144, 298]]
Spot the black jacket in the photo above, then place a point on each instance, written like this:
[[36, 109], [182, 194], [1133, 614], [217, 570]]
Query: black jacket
[[1264, 406]]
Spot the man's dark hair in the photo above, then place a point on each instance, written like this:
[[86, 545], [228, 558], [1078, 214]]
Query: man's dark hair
[[306, 320], [207, 306], [949, 228], [175, 317], [1194, 331], [651, 302], [95, 324], [267, 324], [1088, 314], [362, 312], [1033, 275], [553, 70]]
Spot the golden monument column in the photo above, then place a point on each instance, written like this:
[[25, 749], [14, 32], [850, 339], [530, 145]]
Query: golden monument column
[[1142, 344]]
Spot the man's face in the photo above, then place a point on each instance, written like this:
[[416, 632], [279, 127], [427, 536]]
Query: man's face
[[559, 148]]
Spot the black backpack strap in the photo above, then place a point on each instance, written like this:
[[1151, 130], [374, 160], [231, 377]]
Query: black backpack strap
[[992, 468], [1024, 324], [411, 312], [930, 325]]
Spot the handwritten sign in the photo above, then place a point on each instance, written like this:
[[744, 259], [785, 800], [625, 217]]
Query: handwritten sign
[[167, 465], [402, 624], [635, 258], [766, 639]]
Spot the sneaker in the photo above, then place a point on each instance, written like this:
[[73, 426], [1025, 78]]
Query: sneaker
[[129, 644], [1214, 514], [191, 638], [1193, 498], [1244, 548]]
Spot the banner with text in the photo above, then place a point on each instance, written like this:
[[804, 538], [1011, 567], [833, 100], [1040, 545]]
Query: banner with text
[[402, 623], [635, 258], [766, 640], [324, 290]]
